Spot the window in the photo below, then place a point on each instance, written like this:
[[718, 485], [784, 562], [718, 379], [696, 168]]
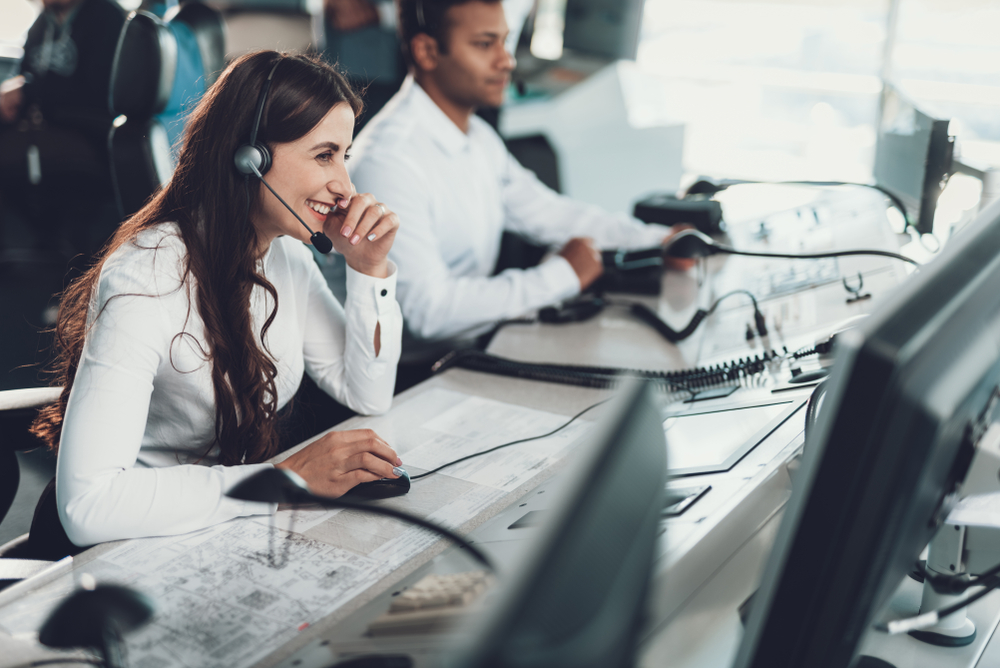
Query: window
[[790, 89], [16, 16]]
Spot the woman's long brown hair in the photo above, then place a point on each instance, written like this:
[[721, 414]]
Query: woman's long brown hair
[[212, 203]]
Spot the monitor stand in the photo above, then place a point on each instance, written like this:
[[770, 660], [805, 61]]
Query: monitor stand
[[866, 661], [947, 548], [955, 630]]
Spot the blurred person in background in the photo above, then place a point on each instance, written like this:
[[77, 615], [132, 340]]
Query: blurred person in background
[[449, 175], [54, 123]]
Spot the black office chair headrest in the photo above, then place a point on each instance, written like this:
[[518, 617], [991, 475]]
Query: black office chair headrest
[[145, 64], [209, 29]]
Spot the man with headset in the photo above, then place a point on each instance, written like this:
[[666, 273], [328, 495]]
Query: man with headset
[[456, 188]]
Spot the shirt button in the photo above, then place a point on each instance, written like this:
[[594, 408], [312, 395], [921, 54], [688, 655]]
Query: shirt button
[[384, 292]]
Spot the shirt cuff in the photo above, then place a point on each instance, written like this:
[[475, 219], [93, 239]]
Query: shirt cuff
[[376, 295], [559, 276]]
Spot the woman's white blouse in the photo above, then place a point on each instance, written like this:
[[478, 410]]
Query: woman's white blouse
[[132, 458]]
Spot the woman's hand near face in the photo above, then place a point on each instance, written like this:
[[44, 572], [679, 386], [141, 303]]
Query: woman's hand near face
[[342, 459], [362, 230]]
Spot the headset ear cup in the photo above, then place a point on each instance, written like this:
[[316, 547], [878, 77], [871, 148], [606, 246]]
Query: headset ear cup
[[265, 158], [249, 156]]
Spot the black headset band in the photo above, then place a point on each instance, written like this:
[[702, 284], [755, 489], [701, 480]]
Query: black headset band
[[421, 23], [260, 103]]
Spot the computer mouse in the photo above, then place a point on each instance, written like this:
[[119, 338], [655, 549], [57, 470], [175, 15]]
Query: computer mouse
[[383, 488], [865, 661], [376, 660]]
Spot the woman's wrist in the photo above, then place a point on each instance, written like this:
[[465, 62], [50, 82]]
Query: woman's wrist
[[375, 270]]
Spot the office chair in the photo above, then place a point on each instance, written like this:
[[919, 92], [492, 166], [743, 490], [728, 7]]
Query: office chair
[[17, 409], [161, 69], [535, 153]]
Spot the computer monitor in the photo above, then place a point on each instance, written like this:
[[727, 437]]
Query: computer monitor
[[913, 156], [578, 599], [911, 392], [606, 28]]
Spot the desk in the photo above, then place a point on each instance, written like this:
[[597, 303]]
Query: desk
[[710, 558]]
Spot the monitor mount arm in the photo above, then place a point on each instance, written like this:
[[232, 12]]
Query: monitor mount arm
[[988, 176], [957, 549]]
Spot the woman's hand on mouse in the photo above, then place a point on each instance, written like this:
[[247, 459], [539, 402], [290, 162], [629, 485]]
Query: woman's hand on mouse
[[339, 460], [362, 230]]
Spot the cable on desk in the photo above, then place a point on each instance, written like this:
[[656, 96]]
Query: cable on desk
[[598, 377], [510, 443], [653, 319], [956, 584], [805, 351], [926, 619], [722, 248], [433, 527], [274, 485], [946, 584], [691, 243], [736, 372]]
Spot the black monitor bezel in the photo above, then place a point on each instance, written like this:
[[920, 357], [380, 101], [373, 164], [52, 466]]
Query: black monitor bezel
[[884, 459], [635, 414], [629, 32], [938, 162], [938, 169]]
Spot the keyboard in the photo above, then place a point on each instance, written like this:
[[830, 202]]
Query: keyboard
[[433, 604]]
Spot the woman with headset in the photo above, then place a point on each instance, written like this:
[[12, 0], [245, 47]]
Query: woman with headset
[[178, 349]]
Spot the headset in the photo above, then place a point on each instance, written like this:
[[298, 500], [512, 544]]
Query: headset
[[254, 159], [421, 23]]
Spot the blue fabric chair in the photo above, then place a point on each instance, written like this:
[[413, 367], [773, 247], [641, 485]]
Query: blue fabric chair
[[162, 68]]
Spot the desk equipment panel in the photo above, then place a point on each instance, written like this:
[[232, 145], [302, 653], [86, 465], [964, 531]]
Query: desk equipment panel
[[709, 557]]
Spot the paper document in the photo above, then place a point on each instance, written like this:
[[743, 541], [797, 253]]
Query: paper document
[[231, 594], [478, 424], [980, 510]]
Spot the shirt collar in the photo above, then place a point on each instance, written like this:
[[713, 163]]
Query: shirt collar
[[441, 129]]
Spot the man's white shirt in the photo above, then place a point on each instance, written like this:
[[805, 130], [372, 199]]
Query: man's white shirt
[[455, 194]]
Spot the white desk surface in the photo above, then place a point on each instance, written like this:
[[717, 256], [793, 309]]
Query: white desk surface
[[710, 557]]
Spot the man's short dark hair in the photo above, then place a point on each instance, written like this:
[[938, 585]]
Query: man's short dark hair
[[428, 17]]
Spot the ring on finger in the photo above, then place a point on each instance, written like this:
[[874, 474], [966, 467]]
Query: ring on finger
[[381, 207]]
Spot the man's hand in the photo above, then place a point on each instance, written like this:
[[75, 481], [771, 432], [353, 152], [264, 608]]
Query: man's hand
[[11, 98], [585, 258], [342, 459]]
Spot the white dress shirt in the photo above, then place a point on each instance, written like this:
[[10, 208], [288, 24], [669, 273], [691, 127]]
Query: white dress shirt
[[455, 194], [141, 414]]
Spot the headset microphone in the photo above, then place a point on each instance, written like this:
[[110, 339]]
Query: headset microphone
[[254, 158], [320, 241]]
